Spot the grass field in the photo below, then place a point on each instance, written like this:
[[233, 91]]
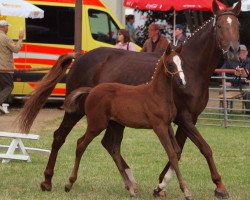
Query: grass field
[[99, 178]]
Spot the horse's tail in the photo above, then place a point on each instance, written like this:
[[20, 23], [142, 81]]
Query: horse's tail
[[43, 90], [73, 100]]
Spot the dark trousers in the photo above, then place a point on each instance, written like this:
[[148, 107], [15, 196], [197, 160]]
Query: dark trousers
[[6, 86]]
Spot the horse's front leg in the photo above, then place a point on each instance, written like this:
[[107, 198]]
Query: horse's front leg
[[60, 135], [206, 150], [112, 143]]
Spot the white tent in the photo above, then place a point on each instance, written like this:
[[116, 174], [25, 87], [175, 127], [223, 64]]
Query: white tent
[[20, 8], [245, 5]]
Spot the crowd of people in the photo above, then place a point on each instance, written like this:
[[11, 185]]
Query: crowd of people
[[125, 40]]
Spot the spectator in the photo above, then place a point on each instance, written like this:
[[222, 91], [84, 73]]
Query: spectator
[[180, 34], [130, 20], [156, 42], [123, 41], [7, 47], [242, 68]]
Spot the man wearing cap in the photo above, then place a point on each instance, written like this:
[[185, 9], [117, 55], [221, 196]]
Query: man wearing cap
[[242, 68], [7, 48], [180, 34], [156, 42]]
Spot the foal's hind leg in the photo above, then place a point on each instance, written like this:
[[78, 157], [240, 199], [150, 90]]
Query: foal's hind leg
[[112, 143], [60, 135], [163, 135], [82, 144]]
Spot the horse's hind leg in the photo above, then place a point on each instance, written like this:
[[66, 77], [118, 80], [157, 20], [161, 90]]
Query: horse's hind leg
[[112, 143], [166, 142], [60, 135], [94, 128]]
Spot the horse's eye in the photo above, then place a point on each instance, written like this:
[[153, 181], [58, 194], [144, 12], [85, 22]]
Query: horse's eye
[[219, 26]]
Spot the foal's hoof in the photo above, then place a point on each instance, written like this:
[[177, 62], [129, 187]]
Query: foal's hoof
[[45, 186], [159, 193], [221, 194], [67, 187], [189, 198]]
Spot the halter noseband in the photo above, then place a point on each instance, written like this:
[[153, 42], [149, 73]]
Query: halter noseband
[[169, 72]]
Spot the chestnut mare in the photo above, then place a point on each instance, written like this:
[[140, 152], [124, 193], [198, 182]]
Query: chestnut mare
[[148, 106], [200, 54]]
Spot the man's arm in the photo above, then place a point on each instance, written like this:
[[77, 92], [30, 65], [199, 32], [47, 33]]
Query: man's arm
[[15, 47]]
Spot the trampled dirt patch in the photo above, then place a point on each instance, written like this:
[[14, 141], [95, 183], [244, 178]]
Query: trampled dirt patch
[[8, 122]]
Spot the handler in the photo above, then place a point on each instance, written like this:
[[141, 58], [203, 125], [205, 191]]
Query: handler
[[7, 48]]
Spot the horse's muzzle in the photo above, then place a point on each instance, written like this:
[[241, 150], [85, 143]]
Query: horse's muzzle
[[232, 53]]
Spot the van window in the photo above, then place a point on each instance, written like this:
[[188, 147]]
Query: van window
[[57, 26], [102, 26]]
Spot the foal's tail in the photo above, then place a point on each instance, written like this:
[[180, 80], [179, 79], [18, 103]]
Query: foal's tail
[[73, 100], [42, 92]]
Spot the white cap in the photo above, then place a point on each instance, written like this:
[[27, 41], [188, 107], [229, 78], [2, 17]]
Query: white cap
[[4, 23]]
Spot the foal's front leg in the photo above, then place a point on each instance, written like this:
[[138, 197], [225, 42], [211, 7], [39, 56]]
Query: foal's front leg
[[165, 139]]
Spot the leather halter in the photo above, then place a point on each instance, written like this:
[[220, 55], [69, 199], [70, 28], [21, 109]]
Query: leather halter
[[169, 72]]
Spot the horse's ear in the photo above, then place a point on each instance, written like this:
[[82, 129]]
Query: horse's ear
[[216, 8], [168, 50], [237, 8], [178, 49]]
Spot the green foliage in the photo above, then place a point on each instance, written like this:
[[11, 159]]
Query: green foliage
[[99, 178]]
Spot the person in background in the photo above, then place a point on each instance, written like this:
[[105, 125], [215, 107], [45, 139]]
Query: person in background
[[242, 68], [155, 42], [180, 34], [130, 20], [7, 48], [123, 41]]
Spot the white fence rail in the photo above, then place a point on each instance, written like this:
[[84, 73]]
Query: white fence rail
[[226, 106]]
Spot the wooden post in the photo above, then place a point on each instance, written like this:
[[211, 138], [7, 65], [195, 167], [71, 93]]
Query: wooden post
[[78, 26]]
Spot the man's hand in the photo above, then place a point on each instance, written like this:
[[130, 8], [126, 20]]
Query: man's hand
[[21, 34], [240, 72]]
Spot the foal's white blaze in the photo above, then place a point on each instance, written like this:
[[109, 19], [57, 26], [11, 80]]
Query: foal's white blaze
[[229, 20], [166, 178], [177, 61]]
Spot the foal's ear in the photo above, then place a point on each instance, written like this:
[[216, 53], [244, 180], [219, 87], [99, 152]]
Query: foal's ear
[[168, 50], [178, 49], [237, 8], [216, 8]]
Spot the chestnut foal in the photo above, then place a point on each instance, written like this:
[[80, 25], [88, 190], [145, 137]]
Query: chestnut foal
[[148, 106]]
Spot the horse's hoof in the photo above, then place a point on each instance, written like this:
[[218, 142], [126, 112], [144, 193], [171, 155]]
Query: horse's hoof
[[189, 198], [159, 193], [67, 187], [221, 194], [45, 186]]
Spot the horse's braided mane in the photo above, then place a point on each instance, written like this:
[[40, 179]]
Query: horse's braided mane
[[198, 29], [204, 24]]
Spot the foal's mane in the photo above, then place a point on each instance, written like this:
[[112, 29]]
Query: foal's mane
[[157, 67]]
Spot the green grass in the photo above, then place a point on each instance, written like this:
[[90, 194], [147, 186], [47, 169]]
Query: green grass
[[99, 178]]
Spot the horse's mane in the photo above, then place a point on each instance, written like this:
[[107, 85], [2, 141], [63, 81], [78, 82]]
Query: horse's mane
[[204, 25]]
